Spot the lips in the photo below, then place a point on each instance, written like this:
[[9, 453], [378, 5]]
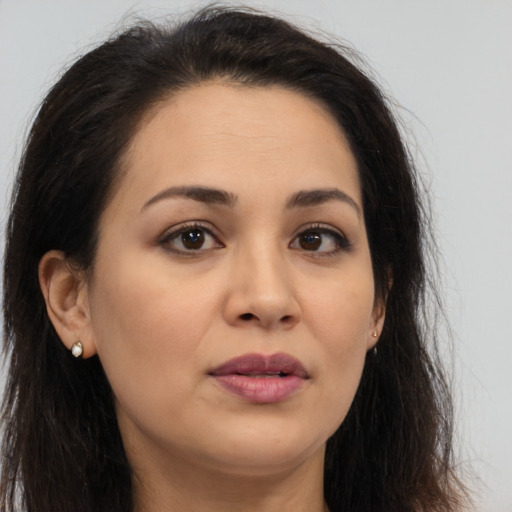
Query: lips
[[261, 379]]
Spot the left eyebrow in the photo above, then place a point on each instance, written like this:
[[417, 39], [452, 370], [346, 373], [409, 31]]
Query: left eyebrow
[[315, 197]]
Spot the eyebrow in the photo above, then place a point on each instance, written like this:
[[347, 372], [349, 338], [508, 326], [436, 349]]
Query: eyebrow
[[205, 195], [208, 195], [315, 197]]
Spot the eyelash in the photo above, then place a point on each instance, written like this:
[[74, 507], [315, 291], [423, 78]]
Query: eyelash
[[341, 242], [169, 237]]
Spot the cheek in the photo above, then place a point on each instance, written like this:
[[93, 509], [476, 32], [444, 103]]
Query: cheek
[[341, 313], [341, 319], [144, 306], [147, 329]]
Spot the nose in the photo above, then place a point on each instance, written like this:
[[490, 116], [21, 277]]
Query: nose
[[261, 292]]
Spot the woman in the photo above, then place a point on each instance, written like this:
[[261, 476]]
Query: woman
[[214, 286]]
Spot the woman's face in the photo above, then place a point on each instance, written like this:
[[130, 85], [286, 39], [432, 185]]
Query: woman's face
[[232, 298]]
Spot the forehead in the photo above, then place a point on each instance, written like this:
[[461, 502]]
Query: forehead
[[226, 135]]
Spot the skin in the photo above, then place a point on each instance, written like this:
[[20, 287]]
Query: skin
[[161, 316]]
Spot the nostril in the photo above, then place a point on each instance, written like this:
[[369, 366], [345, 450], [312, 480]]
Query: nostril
[[247, 316]]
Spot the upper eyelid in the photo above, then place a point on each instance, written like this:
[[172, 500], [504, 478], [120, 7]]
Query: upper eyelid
[[343, 242], [207, 226], [172, 234], [337, 235], [326, 228], [186, 226], [175, 230]]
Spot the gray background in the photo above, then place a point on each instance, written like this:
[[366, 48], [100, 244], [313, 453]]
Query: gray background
[[449, 65]]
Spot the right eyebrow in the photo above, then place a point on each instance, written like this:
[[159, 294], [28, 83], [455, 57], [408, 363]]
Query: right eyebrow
[[206, 195]]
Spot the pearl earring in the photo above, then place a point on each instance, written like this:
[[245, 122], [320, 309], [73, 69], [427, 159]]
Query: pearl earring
[[77, 349]]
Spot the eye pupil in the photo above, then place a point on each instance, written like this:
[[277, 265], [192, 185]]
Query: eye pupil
[[311, 241], [193, 239]]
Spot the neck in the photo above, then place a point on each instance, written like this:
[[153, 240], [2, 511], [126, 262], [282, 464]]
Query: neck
[[175, 486]]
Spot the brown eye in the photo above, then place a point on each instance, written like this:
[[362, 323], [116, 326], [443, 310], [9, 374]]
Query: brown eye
[[193, 239], [190, 240], [310, 241], [322, 241]]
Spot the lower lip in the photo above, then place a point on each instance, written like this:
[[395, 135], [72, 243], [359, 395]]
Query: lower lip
[[261, 390]]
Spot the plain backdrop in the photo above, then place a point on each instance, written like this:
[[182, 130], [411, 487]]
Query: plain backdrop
[[448, 63]]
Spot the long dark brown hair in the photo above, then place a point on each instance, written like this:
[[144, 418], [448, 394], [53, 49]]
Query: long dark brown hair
[[62, 450]]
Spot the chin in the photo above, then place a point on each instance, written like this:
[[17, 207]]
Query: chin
[[261, 453]]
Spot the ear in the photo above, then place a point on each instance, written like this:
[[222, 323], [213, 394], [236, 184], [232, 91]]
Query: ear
[[65, 293], [379, 312], [376, 323]]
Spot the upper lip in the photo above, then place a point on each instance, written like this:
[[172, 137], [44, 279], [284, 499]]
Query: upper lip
[[259, 364]]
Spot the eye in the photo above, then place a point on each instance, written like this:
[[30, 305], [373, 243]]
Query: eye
[[319, 239], [190, 239]]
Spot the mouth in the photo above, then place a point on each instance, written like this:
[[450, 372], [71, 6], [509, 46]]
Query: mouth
[[261, 379]]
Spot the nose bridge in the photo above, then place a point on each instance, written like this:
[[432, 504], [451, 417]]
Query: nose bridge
[[262, 288], [266, 273]]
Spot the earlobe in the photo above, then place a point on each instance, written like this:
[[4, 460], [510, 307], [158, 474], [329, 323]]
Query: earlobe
[[379, 314], [377, 323], [65, 293]]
